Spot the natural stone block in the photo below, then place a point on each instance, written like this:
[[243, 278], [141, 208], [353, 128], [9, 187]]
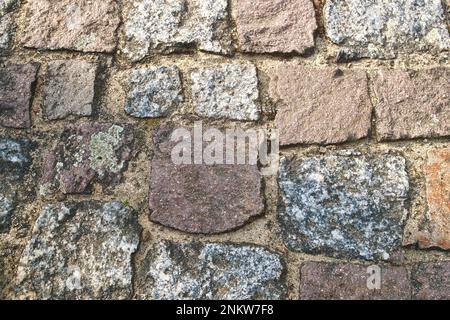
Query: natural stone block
[[344, 205], [154, 92], [85, 154], [8, 203], [280, 26], [412, 104], [80, 251], [384, 28], [69, 88], [431, 281], [201, 198], [210, 271], [81, 25], [341, 281], [226, 91], [16, 92], [320, 106], [14, 159], [6, 23], [162, 26]]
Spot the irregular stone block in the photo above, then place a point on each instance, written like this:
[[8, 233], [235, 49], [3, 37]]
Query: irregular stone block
[[341, 281], [16, 92], [14, 159], [280, 26], [154, 92], [226, 91], [344, 205], [201, 198], [431, 281], [69, 88], [85, 154], [162, 26], [82, 25], [6, 23], [384, 28], [414, 104], [80, 251], [7, 205], [210, 272], [320, 106]]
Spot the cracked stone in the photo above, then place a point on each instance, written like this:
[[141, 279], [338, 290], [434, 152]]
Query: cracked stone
[[320, 106], [344, 205], [431, 281], [86, 154], [163, 27], [227, 91], [280, 26], [80, 251], [16, 84], [82, 25], [384, 28], [154, 92], [412, 104], [201, 198], [342, 281], [210, 271], [69, 88]]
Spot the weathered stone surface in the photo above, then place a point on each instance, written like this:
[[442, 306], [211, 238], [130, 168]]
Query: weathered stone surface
[[161, 26], [201, 198], [69, 88], [210, 271], [431, 281], [14, 159], [82, 25], [226, 91], [320, 106], [383, 28], [85, 154], [344, 205], [80, 251], [340, 281], [6, 23], [16, 83], [154, 92], [7, 205], [414, 104], [268, 26], [434, 227]]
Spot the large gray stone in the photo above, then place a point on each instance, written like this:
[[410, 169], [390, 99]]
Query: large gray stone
[[6, 23], [344, 205], [210, 271], [80, 251], [14, 158]]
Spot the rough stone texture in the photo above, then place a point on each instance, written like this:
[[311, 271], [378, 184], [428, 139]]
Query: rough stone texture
[[14, 159], [82, 25], [16, 82], [154, 92], [162, 26], [344, 205], [80, 251], [226, 91], [412, 104], [435, 225], [431, 281], [8, 204], [200, 198], [320, 106], [383, 28], [6, 25], [69, 88], [211, 271], [340, 281], [268, 26], [85, 154]]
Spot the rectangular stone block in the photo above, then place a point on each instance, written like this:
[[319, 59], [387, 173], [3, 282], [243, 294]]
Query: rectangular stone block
[[431, 281]]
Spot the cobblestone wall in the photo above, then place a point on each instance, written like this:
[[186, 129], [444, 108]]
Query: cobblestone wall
[[91, 205]]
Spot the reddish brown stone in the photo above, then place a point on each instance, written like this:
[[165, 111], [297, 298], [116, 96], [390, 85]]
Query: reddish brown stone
[[330, 281], [83, 25], [283, 26], [320, 106], [412, 104], [16, 84], [201, 198], [431, 281], [435, 227]]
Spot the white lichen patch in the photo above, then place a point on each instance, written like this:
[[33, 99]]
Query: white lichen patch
[[102, 150]]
